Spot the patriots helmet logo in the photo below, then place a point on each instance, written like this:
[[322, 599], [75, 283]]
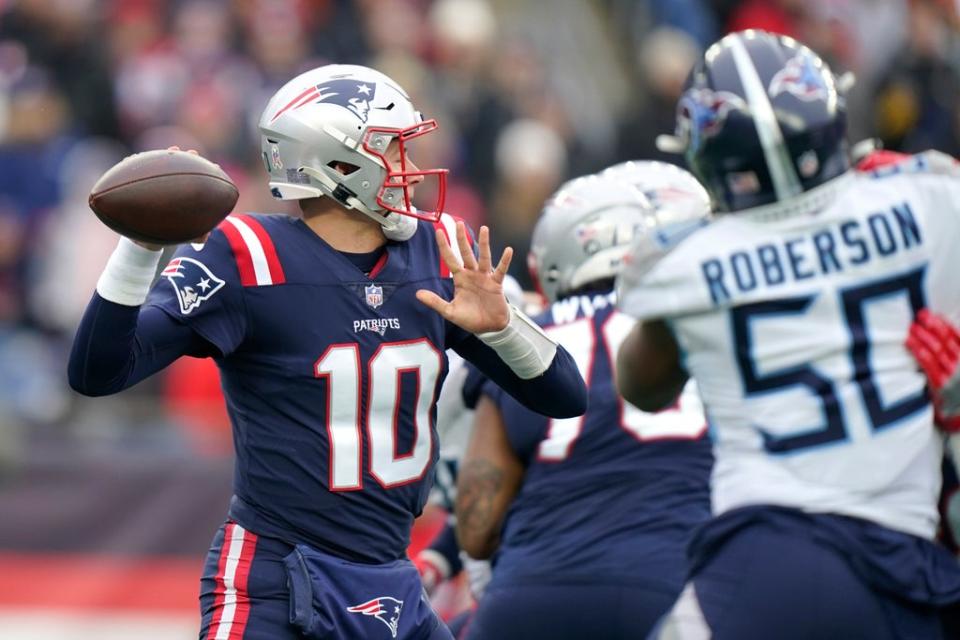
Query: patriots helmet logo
[[192, 281], [702, 113], [801, 78], [385, 609], [349, 93]]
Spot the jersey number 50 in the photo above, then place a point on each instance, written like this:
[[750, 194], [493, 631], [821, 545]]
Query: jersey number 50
[[853, 304], [387, 369]]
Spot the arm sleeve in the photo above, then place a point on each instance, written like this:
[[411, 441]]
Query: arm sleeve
[[196, 309], [559, 393], [117, 346]]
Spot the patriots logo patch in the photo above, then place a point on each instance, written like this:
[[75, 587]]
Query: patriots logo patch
[[385, 609], [349, 93], [192, 281], [799, 77]]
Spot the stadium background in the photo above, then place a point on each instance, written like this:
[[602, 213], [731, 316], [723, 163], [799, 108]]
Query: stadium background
[[107, 505]]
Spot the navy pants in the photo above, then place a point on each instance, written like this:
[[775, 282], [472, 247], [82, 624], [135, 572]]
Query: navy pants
[[568, 611], [257, 588], [769, 581]]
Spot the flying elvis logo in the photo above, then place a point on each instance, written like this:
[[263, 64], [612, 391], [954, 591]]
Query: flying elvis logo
[[349, 93], [192, 281], [385, 609]]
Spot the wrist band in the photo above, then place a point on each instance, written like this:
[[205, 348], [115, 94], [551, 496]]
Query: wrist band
[[130, 270], [522, 345]]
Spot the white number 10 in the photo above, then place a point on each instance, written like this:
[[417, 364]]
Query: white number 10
[[340, 366]]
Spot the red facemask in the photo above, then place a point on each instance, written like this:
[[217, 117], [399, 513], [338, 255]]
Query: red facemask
[[396, 192]]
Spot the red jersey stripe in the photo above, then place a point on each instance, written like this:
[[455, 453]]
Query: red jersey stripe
[[241, 253], [269, 250]]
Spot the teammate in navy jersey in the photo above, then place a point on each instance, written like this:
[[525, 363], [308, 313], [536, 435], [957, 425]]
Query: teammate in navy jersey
[[588, 517], [330, 333], [790, 310]]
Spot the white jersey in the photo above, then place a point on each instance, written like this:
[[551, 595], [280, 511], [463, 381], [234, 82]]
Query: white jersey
[[793, 324]]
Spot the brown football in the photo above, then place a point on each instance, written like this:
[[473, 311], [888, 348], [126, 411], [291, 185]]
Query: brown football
[[163, 197]]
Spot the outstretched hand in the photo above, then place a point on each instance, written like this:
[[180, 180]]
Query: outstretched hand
[[478, 304], [935, 344]]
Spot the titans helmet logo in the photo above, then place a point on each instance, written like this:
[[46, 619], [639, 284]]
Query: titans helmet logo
[[349, 93], [801, 78], [703, 112]]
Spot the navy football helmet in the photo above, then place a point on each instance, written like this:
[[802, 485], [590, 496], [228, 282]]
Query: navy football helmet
[[762, 119]]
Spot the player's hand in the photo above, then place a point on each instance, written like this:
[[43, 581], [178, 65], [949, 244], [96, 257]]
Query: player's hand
[[479, 573], [431, 575], [935, 344], [478, 304]]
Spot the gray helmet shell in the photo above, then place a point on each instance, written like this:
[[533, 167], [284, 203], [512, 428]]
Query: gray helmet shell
[[349, 115], [583, 233]]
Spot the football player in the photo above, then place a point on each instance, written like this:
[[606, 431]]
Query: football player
[[790, 310], [589, 517], [329, 331]]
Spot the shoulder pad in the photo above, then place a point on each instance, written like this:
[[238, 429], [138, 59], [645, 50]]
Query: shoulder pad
[[882, 164], [650, 248]]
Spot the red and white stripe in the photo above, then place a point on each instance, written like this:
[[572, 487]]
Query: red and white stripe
[[255, 252], [231, 606], [172, 269], [448, 225], [301, 99]]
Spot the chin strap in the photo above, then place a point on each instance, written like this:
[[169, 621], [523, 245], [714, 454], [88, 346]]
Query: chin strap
[[396, 226]]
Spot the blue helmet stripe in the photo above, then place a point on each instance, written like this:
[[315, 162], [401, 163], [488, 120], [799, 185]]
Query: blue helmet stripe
[[786, 184]]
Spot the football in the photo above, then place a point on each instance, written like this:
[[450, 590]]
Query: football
[[163, 196]]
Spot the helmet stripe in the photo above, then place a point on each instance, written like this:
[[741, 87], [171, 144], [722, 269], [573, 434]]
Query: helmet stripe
[[786, 184]]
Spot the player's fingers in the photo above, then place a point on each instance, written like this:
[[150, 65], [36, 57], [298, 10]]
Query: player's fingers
[[501, 271], [435, 302], [922, 335], [466, 251], [173, 148], [947, 336], [446, 252], [925, 357], [484, 264]]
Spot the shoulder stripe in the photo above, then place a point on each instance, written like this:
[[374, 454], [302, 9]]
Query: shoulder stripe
[[256, 255], [448, 225], [269, 249]]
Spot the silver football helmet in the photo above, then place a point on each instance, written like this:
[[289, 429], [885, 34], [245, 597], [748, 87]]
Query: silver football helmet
[[584, 231], [339, 117], [681, 206], [671, 190]]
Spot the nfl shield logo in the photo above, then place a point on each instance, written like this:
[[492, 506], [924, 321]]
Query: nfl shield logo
[[374, 295]]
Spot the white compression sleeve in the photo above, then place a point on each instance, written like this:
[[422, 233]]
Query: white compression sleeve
[[522, 345], [130, 270]]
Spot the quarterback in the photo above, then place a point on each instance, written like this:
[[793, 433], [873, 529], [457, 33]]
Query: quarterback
[[330, 333]]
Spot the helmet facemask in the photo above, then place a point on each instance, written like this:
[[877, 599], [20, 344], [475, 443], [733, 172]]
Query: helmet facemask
[[396, 192]]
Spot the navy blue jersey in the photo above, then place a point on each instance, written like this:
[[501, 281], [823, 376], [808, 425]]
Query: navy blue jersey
[[330, 377], [614, 494]]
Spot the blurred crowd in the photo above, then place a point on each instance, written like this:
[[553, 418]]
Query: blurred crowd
[[527, 92]]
